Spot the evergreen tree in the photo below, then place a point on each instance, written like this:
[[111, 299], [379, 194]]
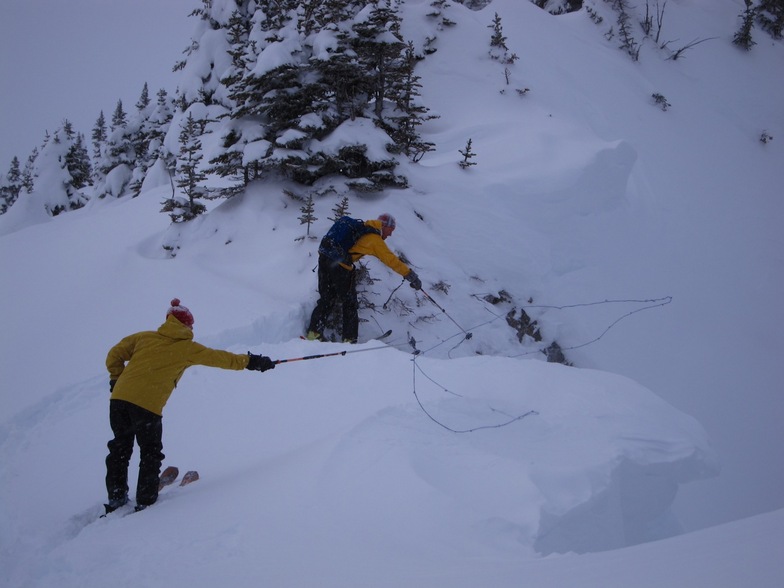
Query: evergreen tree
[[237, 31], [278, 119], [10, 186], [498, 49], [156, 127], [113, 169], [743, 37], [379, 47], [119, 117], [325, 14], [342, 80], [59, 171], [144, 99], [467, 156], [771, 17], [242, 103], [68, 130], [409, 113], [497, 39], [28, 173], [139, 131], [99, 136], [340, 209], [189, 174], [278, 14], [308, 217], [77, 161], [230, 164]]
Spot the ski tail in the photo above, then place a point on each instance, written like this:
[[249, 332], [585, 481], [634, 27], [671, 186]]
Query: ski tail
[[189, 477], [168, 477]]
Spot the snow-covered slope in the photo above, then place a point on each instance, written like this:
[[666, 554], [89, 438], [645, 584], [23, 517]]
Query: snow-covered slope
[[330, 471]]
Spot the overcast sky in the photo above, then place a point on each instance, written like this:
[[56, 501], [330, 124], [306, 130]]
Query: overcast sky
[[73, 58]]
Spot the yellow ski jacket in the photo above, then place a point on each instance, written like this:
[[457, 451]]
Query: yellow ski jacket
[[148, 365], [373, 244]]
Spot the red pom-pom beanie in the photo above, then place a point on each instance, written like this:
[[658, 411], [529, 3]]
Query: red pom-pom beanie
[[181, 313]]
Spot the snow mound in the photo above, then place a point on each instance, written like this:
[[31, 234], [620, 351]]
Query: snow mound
[[301, 450], [595, 467]]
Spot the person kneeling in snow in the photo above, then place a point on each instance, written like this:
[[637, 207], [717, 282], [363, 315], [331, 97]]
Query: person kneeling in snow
[[144, 369]]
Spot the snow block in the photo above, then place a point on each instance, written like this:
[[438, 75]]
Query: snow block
[[596, 469]]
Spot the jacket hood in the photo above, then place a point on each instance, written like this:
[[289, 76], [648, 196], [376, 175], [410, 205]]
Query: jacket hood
[[375, 223], [174, 329]]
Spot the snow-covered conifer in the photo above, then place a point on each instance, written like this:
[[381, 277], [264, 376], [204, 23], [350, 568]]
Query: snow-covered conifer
[[10, 186], [99, 136], [59, 171], [380, 49], [771, 17], [28, 173], [77, 161], [156, 126], [119, 117], [498, 49], [144, 99], [743, 38], [114, 167], [408, 113], [189, 174]]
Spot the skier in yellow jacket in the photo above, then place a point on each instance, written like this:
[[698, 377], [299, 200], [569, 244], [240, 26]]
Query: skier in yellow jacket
[[337, 279], [144, 369]]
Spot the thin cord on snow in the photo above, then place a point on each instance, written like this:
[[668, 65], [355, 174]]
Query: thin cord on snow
[[651, 303], [453, 430]]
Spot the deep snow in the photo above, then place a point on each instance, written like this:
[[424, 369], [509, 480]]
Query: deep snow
[[328, 471]]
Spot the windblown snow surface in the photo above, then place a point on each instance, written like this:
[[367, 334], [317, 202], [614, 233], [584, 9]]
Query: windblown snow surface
[[634, 236]]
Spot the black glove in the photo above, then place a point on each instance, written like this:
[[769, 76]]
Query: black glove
[[259, 363], [111, 385], [413, 278]]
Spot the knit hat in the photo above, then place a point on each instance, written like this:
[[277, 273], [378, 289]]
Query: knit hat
[[181, 313]]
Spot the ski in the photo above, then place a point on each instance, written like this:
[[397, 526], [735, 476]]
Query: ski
[[168, 477], [189, 477]]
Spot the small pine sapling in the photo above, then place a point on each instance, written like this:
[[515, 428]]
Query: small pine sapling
[[660, 101], [467, 156], [340, 209], [498, 49], [307, 217]]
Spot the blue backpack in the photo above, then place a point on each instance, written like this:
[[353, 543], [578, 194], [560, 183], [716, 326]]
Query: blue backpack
[[341, 237]]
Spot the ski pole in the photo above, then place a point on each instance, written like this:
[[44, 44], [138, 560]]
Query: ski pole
[[467, 334], [344, 352]]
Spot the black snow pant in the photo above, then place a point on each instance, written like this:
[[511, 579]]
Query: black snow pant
[[130, 422], [337, 286]]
